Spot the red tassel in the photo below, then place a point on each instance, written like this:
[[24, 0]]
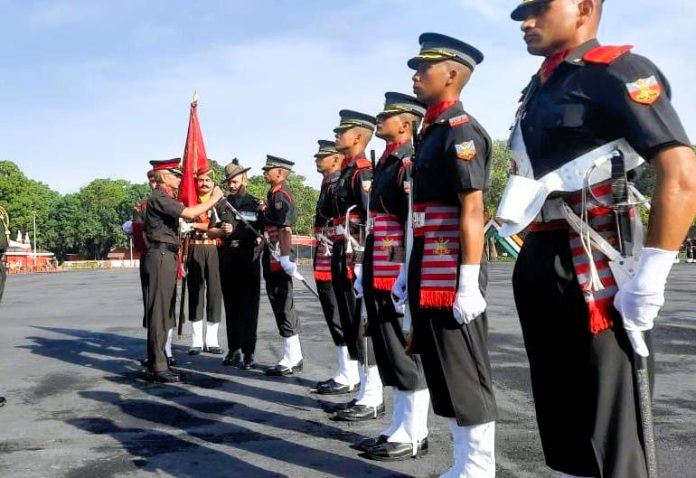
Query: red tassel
[[436, 299], [600, 313], [384, 283], [322, 276]]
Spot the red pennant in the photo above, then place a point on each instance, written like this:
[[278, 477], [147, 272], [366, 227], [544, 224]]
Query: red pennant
[[195, 158]]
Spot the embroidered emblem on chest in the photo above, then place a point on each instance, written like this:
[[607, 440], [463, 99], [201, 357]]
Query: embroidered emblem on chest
[[644, 90], [466, 150]]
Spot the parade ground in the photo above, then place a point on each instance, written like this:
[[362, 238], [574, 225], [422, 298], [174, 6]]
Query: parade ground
[[78, 405]]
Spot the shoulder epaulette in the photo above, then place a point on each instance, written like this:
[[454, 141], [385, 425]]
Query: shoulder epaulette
[[606, 54], [362, 163], [459, 120]]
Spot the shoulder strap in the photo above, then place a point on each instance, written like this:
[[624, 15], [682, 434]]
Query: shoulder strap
[[606, 54]]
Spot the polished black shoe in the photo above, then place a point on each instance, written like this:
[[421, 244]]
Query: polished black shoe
[[359, 413], [214, 350], [390, 451], [331, 387], [335, 407], [195, 351], [248, 362], [165, 376], [3, 401], [233, 359], [281, 370], [171, 361], [367, 443]]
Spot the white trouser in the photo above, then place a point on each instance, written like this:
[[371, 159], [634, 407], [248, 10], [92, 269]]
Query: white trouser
[[292, 351], [168, 343], [473, 450], [211, 334], [370, 393], [197, 334], [347, 373], [397, 412], [413, 426]]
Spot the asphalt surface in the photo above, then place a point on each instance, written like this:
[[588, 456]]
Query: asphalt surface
[[78, 405]]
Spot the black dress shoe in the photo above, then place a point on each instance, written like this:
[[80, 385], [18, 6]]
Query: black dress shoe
[[3, 401], [281, 370], [391, 451], [171, 361], [233, 359], [367, 443], [195, 351], [248, 362], [331, 387], [165, 376], [359, 413], [214, 350], [335, 407]]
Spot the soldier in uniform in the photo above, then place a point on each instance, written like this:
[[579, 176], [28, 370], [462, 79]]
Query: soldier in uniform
[[350, 198], [278, 269], [203, 266], [581, 334], [328, 161], [4, 243], [161, 228], [446, 277], [240, 269], [405, 437]]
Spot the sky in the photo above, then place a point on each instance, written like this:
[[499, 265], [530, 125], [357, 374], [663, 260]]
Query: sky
[[97, 88]]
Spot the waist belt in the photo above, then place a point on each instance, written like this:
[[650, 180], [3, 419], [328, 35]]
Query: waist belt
[[163, 246], [338, 232], [198, 242]]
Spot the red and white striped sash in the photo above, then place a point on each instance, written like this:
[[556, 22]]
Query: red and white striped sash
[[273, 238], [388, 233], [600, 303], [438, 224], [322, 260], [340, 221]]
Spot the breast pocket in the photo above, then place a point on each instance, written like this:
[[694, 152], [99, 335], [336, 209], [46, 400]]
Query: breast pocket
[[566, 116]]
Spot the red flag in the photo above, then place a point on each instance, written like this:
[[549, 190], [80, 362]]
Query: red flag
[[194, 159]]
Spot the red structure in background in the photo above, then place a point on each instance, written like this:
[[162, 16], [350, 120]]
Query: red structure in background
[[21, 258]]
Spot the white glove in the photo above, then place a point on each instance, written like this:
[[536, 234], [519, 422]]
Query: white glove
[[357, 284], [128, 227], [185, 227], [399, 292], [288, 266], [641, 298], [468, 302]]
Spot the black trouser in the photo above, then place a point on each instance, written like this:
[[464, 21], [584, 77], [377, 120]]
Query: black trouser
[[143, 287], [280, 295], [203, 281], [455, 357], [396, 368], [582, 383], [240, 276], [161, 269], [359, 345], [327, 299]]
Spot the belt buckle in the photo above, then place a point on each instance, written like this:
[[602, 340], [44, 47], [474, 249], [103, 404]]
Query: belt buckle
[[234, 243]]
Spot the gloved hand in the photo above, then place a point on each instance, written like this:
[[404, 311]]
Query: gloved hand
[[128, 227], [399, 292], [641, 298], [468, 302], [288, 266], [357, 284], [185, 227]]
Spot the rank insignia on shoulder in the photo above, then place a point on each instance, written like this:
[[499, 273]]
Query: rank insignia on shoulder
[[458, 120], [466, 150], [644, 90], [279, 204], [366, 185]]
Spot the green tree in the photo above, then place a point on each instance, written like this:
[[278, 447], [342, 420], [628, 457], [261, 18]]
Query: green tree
[[500, 170]]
